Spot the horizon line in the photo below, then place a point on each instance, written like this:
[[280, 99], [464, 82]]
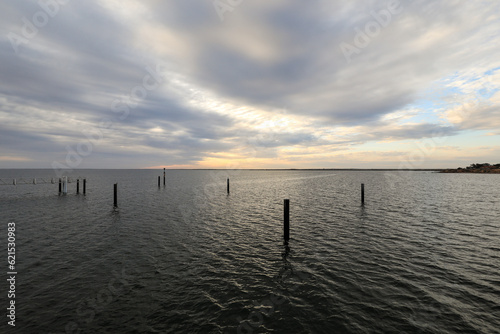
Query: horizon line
[[266, 169]]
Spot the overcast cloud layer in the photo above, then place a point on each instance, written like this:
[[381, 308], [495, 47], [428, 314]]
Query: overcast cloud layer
[[272, 84]]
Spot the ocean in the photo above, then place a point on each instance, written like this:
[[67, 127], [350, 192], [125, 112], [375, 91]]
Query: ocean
[[422, 255]]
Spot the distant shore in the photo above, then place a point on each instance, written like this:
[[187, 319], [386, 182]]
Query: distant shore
[[476, 168]]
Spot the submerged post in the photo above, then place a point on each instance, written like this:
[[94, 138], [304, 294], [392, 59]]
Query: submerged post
[[228, 185], [362, 193], [286, 220], [34, 181], [115, 197], [14, 182], [65, 185], [159, 178], [84, 186], [60, 185], [163, 176], [77, 186]]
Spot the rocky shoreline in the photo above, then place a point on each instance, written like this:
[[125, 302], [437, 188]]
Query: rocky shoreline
[[476, 168]]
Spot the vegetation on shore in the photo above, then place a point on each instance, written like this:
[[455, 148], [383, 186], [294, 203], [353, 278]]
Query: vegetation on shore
[[475, 168]]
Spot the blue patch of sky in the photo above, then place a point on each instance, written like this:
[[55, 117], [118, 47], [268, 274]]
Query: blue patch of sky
[[492, 71], [444, 96], [426, 114], [486, 93], [433, 102]]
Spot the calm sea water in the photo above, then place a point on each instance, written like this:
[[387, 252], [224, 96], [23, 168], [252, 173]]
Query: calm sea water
[[421, 256]]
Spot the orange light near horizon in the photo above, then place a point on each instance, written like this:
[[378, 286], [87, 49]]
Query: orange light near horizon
[[8, 158], [173, 167]]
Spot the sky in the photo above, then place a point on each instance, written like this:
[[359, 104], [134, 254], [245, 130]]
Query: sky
[[249, 84]]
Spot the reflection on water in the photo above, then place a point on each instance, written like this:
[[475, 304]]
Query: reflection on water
[[420, 256]]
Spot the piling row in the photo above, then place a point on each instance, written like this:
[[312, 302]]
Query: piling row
[[63, 188], [286, 207], [34, 181], [63, 185]]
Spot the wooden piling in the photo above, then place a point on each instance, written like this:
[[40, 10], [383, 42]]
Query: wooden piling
[[78, 186], [65, 185], [60, 185], [286, 220], [228, 185], [159, 178], [14, 182], [362, 193], [84, 186], [115, 197], [34, 181], [164, 176]]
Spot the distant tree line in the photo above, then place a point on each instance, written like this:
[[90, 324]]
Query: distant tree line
[[483, 165]]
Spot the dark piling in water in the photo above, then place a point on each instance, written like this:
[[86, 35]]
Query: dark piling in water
[[65, 185], [362, 193], [84, 186], [78, 186], [286, 220], [115, 197]]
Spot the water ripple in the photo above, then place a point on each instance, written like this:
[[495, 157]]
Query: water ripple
[[420, 257]]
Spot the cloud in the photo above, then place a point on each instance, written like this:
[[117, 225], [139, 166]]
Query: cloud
[[272, 76], [301, 64]]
